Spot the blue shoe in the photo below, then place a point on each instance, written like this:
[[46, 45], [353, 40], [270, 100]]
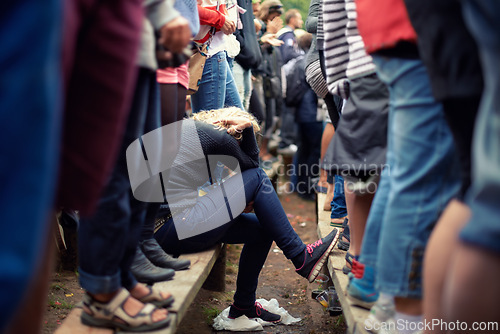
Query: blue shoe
[[361, 290], [316, 254]]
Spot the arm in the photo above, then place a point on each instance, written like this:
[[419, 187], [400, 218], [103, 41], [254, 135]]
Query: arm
[[216, 19], [160, 12], [289, 48], [211, 17], [174, 30], [216, 142], [312, 17]]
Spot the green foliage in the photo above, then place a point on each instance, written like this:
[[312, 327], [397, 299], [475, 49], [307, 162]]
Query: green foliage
[[301, 5], [210, 314]]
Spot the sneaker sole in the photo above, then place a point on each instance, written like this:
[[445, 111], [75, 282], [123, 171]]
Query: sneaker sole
[[255, 319], [269, 322], [317, 267], [90, 321]]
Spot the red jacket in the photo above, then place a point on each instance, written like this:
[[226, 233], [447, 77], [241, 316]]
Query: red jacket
[[383, 23], [210, 17]]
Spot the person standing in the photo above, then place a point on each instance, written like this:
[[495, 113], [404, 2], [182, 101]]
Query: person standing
[[217, 87]]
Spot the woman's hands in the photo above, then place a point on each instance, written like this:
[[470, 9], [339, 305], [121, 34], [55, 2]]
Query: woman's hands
[[234, 124], [274, 25], [271, 39], [229, 26]]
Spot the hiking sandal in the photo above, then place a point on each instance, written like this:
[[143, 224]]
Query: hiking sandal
[[338, 222], [154, 297], [348, 258], [113, 315], [341, 244]]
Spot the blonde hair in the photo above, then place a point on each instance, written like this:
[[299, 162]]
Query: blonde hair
[[220, 115]]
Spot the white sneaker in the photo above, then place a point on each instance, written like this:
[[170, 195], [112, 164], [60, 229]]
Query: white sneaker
[[289, 150], [381, 314]]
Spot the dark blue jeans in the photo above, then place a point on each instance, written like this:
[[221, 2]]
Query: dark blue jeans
[[256, 231], [339, 208], [108, 240]]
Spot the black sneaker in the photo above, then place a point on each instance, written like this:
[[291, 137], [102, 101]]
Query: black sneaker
[[316, 254], [256, 311]]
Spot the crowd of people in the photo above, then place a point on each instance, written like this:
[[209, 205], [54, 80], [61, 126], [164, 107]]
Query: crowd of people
[[407, 151]]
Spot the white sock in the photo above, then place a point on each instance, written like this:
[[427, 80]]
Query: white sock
[[385, 298], [408, 324]]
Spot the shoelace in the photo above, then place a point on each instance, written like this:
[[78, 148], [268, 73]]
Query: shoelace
[[310, 247], [258, 308]]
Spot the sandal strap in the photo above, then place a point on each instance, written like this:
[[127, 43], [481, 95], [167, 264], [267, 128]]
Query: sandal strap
[[114, 311], [349, 257], [154, 295]]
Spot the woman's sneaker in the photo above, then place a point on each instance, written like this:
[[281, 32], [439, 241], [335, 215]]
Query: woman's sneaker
[[316, 254], [257, 311]]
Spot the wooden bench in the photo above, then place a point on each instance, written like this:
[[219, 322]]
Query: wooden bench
[[354, 316], [206, 266]]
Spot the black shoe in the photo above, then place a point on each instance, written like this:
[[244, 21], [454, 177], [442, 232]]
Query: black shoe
[[146, 272], [316, 254], [159, 258], [256, 311]]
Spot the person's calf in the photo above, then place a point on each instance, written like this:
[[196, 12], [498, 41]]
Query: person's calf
[[471, 287]]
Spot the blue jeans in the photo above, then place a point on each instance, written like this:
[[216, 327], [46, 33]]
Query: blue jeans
[[422, 177], [256, 231], [108, 240], [242, 77], [483, 230], [217, 87], [30, 114], [339, 208]]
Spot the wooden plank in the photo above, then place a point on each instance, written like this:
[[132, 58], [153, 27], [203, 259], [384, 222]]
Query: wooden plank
[[354, 315], [187, 283], [183, 287], [73, 325]]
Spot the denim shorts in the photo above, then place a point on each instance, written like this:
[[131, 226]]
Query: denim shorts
[[423, 175]]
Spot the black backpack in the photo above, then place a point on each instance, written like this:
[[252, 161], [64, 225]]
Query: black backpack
[[296, 84], [250, 55]]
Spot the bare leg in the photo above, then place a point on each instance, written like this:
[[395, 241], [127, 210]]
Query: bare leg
[[440, 249], [358, 208], [328, 133], [471, 287]]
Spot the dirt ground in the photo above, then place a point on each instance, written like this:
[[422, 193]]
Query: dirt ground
[[277, 280]]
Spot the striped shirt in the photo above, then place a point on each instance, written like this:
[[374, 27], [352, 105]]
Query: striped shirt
[[335, 46], [360, 63]]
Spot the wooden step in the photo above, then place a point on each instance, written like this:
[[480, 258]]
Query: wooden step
[[354, 315], [183, 287]]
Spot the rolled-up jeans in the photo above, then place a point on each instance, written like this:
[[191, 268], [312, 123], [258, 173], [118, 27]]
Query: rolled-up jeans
[[217, 87], [107, 240], [339, 208], [423, 177]]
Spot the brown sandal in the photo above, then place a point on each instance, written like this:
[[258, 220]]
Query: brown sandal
[[113, 315], [154, 297]]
